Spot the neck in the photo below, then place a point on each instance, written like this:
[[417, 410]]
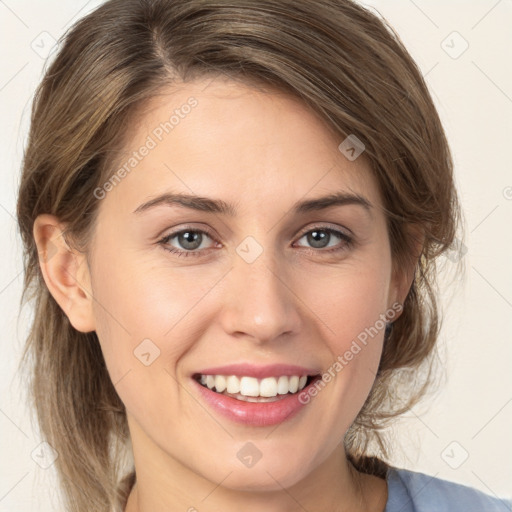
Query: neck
[[165, 484]]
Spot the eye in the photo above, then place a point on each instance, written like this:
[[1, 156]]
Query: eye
[[320, 237], [189, 239]]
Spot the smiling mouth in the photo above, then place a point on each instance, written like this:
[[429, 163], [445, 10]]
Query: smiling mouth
[[251, 389]]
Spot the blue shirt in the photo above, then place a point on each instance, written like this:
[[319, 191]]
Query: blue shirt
[[409, 491]]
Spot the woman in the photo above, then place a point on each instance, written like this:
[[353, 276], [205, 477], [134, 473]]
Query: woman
[[231, 214]]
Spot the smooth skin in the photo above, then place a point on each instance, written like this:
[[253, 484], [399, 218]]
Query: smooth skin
[[296, 303]]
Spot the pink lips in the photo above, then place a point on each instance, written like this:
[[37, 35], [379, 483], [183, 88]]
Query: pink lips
[[254, 413]]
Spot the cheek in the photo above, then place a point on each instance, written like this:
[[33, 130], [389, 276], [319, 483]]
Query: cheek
[[351, 302], [145, 308]]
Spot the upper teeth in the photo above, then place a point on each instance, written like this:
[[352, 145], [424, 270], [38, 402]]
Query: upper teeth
[[250, 386]]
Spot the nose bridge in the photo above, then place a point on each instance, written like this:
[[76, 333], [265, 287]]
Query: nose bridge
[[260, 304]]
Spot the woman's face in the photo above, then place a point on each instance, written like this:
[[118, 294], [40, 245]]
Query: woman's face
[[259, 287]]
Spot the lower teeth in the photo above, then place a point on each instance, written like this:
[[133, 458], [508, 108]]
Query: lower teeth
[[244, 398]]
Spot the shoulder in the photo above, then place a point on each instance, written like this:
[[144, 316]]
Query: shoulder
[[411, 491]]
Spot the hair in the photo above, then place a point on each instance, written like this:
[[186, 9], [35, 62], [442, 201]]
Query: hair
[[337, 57]]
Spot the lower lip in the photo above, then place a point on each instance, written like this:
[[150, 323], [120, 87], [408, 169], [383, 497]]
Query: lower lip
[[259, 414]]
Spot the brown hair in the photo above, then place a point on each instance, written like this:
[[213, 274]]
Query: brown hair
[[338, 58]]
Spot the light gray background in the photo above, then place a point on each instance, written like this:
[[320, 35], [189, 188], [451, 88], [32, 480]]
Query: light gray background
[[471, 415]]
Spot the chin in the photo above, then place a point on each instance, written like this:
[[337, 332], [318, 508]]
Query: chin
[[264, 476]]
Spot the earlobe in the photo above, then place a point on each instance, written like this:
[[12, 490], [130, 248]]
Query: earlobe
[[65, 272]]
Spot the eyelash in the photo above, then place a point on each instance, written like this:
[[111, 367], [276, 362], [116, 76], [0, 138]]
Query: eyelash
[[348, 241]]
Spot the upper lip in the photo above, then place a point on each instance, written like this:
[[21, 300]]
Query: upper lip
[[259, 372]]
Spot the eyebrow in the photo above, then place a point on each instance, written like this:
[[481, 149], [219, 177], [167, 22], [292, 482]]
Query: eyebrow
[[205, 204]]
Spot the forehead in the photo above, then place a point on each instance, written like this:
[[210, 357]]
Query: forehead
[[233, 141]]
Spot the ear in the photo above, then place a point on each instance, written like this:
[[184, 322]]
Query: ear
[[65, 272], [404, 272]]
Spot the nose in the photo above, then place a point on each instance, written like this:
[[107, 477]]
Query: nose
[[259, 301]]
